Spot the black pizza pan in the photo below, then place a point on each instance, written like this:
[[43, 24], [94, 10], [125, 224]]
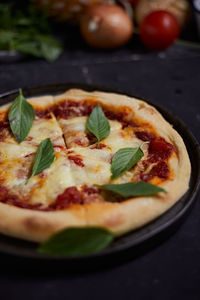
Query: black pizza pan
[[130, 245]]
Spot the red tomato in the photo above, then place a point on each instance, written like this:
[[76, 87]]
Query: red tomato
[[159, 30]]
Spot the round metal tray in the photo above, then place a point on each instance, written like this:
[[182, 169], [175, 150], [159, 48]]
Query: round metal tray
[[133, 243]]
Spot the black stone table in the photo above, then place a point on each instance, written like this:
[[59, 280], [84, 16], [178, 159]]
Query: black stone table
[[170, 270]]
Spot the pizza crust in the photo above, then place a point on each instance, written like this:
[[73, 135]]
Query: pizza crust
[[121, 217], [37, 226]]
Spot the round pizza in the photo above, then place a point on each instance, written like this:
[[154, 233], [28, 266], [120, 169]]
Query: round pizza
[[86, 159]]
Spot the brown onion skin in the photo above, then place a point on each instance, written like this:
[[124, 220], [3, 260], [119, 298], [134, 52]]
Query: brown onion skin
[[114, 27]]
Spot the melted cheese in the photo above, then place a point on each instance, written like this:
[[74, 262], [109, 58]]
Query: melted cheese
[[119, 138], [16, 160], [74, 131], [96, 168], [56, 179], [13, 151], [45, 128], [40, 130]]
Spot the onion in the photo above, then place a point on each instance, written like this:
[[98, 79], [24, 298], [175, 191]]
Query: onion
[[106, 26]]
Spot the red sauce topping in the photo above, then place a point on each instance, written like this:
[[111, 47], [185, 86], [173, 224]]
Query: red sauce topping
[[112, 115], [159, 149], [81, 141], [4, 130], [101, 146], [70, 196], [145, 136], [161, 170], [77, 160], [70, 108], [4, 124], [128, 123], [7, 198], [43, 114], [145, 177], [90, 190], [59, 147]]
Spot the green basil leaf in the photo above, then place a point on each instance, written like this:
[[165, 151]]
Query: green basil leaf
[[43, 46], [77, 241], [6, 36], [44, 157], [21, 116], [50, 47], [124, 159], [98, 124], [133, 189]]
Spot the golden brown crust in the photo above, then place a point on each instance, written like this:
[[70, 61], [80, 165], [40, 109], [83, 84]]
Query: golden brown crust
[[35, 225], [117, 217]]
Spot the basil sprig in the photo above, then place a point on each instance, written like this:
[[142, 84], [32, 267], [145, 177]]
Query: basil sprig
[[98, 124], [124, 159], [132, 189], [77, 241], [21, 116], [44, 157]]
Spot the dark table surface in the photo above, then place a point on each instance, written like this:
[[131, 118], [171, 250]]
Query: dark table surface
[[170, 270]]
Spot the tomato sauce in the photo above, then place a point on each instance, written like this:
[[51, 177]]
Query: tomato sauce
[[7, 198], [101, 146], [4, 124], [161, 170], [43, 114], [4, 130], [71, 195], [77, 160], [145, 136], [88, 190], [68, 108], [159, 149]]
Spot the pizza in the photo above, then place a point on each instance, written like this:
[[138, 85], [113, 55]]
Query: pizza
[[68, 192]]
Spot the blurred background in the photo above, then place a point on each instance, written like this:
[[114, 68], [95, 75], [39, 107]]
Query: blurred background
[[45, 28]]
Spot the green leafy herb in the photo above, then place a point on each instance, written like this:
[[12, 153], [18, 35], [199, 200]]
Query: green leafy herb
[[98, 124], [43, 46], [124, 159], [44, 157], [77, 241], [27, 31], [21, 116], [132, 189]]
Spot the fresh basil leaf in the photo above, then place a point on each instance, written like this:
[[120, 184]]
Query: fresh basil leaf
[[41, 46], [27, 31], [77, 241], [21, 116], [132, 189], [98, 124], [6, 36], [44, 157], [124, 159], [50, 47], [27, 47]]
